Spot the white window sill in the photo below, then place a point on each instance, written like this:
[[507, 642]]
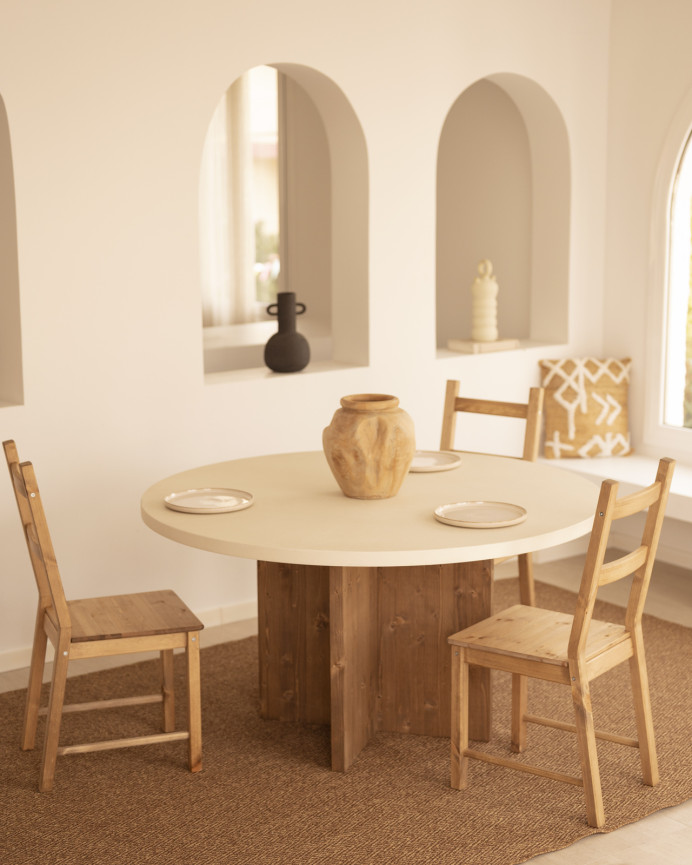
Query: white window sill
[[524, 345], [261, 373]]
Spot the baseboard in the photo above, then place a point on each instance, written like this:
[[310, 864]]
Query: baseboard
[[672, 551], [18, 659], [668, 552], [230, 613]]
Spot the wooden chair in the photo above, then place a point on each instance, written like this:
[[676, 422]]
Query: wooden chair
[[97, 627], [570, 650], [532, 412]]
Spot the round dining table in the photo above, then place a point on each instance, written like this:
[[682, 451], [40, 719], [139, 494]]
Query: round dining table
[[356, 598]]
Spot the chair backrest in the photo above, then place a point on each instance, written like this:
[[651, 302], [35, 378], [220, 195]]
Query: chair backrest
[[531, 412], [639, 562], [38, 541]]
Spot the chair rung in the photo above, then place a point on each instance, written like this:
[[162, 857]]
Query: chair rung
[[108, 704], [109, 744], [524, 767], [571, 728]]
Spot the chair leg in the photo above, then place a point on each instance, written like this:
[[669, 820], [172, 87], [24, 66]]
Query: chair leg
[[519, 692], [33, 694], [168, 690], [586, 738], [642, 711], [460, 719], [527, 589], [54, 717], [194, 698]]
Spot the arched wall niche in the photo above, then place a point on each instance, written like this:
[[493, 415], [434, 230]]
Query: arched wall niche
[[503, 193], [11, 384], [335, 289]]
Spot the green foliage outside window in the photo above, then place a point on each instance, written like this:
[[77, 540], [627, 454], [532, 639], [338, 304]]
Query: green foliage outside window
[[267, 264]]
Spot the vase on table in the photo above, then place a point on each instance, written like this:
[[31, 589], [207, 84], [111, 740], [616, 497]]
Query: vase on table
[[369, 445], [286, 350]]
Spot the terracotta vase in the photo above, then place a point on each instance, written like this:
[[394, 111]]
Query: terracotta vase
[[287, 350], [369, 445]]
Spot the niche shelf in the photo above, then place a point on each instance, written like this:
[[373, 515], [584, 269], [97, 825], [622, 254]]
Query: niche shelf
[[503, 193]]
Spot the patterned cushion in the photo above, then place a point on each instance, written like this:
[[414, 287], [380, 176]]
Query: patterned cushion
[[586, 407]]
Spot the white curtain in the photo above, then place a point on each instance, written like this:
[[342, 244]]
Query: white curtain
[[227, 241]]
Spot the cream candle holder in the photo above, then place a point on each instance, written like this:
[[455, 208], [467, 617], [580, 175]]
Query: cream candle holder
[[484, 310]]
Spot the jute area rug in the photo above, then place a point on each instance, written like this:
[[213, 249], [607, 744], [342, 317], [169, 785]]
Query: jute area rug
[[267, 794]]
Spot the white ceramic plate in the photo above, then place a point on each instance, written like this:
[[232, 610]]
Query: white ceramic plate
[[209, 501], [480, 515], [434, 461]]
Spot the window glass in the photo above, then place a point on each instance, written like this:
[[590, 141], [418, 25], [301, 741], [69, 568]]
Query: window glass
[[264, 123], [239, 202], [678, 377]]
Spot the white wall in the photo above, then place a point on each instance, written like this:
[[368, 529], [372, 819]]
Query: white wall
[[108, 106]]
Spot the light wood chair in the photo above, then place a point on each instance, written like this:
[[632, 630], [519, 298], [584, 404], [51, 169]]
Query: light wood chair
[[532, 413], [96, 627], [570, 650]]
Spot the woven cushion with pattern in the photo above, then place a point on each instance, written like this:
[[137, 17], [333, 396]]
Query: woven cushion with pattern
[[586, 407]]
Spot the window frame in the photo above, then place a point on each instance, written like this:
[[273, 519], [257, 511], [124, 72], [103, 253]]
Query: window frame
[[659, 435]]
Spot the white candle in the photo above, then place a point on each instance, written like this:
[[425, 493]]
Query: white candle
[[484, 309]]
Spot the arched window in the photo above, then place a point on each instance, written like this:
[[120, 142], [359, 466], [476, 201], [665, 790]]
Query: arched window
[[667, 416], [677, 402], [241, 191]]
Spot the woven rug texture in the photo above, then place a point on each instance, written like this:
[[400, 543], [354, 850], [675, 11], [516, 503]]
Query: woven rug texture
[[267, 794]]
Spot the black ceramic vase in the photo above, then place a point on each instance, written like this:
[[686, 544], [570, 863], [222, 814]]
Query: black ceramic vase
[[287, 350]]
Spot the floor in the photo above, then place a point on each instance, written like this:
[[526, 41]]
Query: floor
[[664, 838]]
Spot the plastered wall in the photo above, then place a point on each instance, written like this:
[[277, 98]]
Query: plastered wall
[[107, 107]]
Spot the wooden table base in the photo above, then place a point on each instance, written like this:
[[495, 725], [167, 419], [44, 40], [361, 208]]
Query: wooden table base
[[365, 649]]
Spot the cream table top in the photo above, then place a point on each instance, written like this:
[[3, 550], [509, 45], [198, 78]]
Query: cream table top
[[300, 516]]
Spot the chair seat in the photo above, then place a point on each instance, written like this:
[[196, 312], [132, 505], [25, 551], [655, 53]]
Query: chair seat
[[534, 634], [136, 615]]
